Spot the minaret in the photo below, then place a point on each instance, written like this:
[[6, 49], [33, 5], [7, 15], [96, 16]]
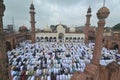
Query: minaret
[[13, 22], [94, 71], [4, 65], [87, 24], [32, 15], [102, 14]]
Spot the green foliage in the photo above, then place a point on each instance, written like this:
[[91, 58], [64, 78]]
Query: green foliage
[[116, 27]]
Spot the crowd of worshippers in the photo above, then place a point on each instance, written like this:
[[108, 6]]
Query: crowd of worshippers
[[53, 61]]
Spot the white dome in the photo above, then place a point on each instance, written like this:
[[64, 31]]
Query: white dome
[[47, 28], [72, 29], [59, 27]]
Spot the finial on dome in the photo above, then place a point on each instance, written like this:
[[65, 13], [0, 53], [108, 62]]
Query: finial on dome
[[31, 1], [13, 21], [72, 25], [47, 25], [32, 5], [89, 9], [103, 13], [103, 3], [60, 22], [60, 17], [89, 6]]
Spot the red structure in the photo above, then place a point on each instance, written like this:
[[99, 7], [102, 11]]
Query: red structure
[[95, 71], [113, 41], [87, 24], [4, 65], [32, 15], [101, 14]]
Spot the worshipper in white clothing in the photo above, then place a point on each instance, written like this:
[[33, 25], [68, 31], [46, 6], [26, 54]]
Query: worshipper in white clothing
[[53, 61]]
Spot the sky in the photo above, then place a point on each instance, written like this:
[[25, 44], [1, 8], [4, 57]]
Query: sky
[[69, 12]]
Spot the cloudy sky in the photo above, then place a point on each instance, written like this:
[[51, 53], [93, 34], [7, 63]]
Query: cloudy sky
[[69, 12]]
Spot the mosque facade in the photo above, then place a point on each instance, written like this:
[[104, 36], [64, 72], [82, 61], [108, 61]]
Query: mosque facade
[[60, 33]]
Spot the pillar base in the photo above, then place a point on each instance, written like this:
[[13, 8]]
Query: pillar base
[[91, 73]]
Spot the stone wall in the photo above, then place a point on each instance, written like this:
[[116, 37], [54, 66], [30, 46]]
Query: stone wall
[[93, 72]]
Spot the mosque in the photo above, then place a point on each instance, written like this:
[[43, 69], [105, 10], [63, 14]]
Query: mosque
[[53, 61], [60, 33], [54, 33]]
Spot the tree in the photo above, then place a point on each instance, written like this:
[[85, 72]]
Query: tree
[[116, 27]]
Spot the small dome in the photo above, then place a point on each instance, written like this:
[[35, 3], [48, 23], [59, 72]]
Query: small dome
[[103, 13], [72, 29], [47, 28], [23, 28], [60, 26], [32, 5], [89, 10]]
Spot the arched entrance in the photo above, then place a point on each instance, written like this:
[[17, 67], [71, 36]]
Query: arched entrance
[[91, 39], [41, 39], [70, 39], [38, 39], [8, 46], [116, 46], [13, 43], [50, 40], [66, 39], [61, 37], [54, 39], [74, 39], [78, 39], [46, 39]]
